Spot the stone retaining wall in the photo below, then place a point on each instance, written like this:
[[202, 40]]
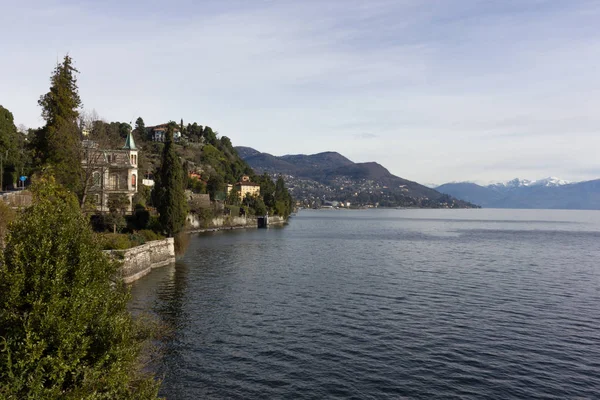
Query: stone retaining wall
[[195, 225], [17, 199], [139, 261]]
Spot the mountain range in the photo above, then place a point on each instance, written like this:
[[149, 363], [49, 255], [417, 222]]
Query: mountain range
[[325, 177], [549, 193]]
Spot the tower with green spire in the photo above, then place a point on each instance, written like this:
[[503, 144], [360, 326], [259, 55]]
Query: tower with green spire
[[132, 173]]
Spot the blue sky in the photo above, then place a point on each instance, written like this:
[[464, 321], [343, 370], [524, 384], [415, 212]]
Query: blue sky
[[436, 91]]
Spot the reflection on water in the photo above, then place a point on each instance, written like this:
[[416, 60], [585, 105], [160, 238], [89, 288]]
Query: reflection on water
[[182, 241], [385, 304]]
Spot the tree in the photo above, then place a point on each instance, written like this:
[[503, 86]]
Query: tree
[[209, 135], [117, 204], [124, 129], [92, 156], [233, 197], [7, 215], [195, 130], [169, 188], [283, 199], [65, 331], [58, 143], [9, 138], [140, 129], [215, 186]]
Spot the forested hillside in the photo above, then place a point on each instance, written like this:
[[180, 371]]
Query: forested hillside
[[328, 177]]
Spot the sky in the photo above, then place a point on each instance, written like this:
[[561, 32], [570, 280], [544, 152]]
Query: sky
[[434, 90]]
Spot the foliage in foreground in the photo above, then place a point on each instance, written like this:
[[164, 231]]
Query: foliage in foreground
[[65, 332], [6, 217]]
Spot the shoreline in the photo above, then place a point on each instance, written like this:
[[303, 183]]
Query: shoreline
[[234, 227]]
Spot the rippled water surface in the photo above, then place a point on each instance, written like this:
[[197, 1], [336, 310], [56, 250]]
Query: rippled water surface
[[468, 304]]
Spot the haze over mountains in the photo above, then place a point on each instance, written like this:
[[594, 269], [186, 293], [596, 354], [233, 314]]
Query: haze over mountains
[[550, 193], [324, 177]]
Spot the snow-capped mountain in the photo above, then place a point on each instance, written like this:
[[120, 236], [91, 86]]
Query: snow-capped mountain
[[550, 182], [517, 183], [551, 193]]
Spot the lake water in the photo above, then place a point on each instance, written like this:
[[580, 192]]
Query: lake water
[[423, 304]]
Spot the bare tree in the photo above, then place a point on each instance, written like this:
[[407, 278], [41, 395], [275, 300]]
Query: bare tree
[[94, 163]]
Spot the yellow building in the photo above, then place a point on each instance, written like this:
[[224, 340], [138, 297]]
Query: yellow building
[[244, 187]]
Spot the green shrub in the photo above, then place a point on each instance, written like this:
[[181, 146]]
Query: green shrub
[[149, 235], [115, 241], [7, 215], [65, 332]]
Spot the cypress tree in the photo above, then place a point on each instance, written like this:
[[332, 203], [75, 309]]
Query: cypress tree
[[58, 143], [65, 332], [140, 129], [169, 187]]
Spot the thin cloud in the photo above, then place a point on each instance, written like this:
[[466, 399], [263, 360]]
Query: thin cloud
[[442, 83]]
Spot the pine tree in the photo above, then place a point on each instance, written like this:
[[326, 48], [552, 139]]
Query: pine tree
[[58, 143], [140, 129], [65, 332], [169, 187]]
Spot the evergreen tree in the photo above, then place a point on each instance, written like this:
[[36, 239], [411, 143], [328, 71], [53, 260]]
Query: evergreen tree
[[9, 138], [169, 187], [209, 135], [140, 129], [65, 332], [58, 143]]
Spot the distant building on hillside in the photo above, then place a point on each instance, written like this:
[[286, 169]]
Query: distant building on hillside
[[112, 172], [244, 187], [158, 133]]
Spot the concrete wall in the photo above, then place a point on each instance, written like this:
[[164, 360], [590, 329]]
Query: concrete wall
[[139, 261]]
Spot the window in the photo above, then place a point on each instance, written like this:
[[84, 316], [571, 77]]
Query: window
[[133, 180], [96, 178], [114, 181]]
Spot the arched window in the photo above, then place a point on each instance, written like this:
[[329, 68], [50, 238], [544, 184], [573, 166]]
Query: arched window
[[96, 178], [133, 180]]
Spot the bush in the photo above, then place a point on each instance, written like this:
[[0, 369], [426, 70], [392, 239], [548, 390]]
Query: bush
[[115, 241], [234, 211], [7, 215], [205, 215], [149, 235], [140, 219], [65, 332]]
